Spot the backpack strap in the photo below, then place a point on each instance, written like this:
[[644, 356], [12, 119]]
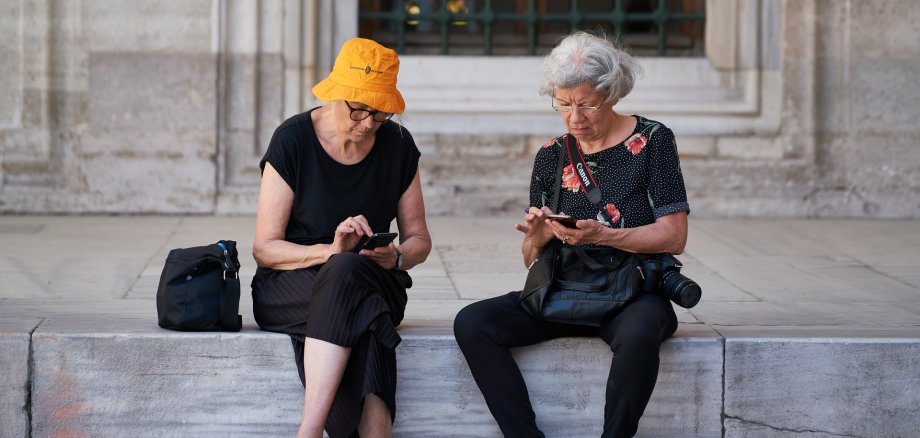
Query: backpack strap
[[554, 204]]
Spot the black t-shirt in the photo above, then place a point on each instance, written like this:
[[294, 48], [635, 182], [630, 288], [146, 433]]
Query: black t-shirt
[[639, 178], [326, 191]]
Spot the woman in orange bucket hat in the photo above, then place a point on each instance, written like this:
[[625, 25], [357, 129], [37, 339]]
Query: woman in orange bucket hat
[[332, 175]]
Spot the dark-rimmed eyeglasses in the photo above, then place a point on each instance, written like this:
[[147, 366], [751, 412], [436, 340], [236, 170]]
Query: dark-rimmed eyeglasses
[[359, 114]]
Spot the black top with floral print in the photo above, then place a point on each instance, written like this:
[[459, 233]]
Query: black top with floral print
[[640, 178]]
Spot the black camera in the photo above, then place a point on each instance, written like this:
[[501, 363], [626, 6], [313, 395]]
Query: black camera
[[661, 275]]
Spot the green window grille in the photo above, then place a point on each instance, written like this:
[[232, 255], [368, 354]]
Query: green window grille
[[532, 27]]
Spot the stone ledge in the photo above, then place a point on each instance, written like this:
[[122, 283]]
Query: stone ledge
[[566, 379], [123, 377], [827, 381], [14, 378], [128, 377]]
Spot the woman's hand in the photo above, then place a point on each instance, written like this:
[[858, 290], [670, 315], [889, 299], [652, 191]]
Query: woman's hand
[[349, 232], [536, 233], [385, 256], [667, 234], [586, 231]]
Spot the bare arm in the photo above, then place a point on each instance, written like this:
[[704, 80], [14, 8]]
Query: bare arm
[[269, 248], [414, 238], [667, 234], [415, 241]]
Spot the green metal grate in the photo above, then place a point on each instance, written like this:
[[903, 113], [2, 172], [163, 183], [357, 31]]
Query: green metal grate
[[392, 22]]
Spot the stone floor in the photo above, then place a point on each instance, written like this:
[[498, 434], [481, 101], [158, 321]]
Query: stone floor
[[817, 322], [781, 273]]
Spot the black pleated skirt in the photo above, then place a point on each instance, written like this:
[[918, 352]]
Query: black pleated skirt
[[349, 301]]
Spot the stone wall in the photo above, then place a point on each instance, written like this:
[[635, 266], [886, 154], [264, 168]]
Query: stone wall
[[868, 141], [109, 107], [801, 108]]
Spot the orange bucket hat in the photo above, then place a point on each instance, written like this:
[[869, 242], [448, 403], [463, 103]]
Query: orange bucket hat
[[364, 72]]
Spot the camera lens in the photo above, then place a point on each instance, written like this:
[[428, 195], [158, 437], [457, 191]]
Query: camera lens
[[680, 289]]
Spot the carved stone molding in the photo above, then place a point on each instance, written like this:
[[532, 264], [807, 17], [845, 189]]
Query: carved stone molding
[[270, 54]]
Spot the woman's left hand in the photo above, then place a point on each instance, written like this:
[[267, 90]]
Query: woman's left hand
[[385, 256], [588, 231]]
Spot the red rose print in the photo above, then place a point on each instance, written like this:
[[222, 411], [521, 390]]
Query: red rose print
[[549, 143], [636, 143], [569, 181], [613, 212]]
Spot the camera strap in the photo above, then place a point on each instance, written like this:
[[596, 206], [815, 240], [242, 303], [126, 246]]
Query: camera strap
[[585, 178]]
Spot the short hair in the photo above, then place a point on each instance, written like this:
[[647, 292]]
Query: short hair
[[585, 58]]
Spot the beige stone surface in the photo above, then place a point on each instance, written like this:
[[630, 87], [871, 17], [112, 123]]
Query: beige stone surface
[[783, 380], [14, 385], [838, 301], [750, 148], [153, 26], [10, 67], [801, 109]]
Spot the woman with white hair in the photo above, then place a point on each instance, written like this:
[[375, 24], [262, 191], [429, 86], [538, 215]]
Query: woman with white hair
[[643, 210]]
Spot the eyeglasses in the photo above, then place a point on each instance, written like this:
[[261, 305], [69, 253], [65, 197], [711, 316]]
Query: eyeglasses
[[359, 114], [567, 108]]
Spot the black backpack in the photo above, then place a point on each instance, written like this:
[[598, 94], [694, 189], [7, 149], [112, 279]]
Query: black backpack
[[200, 289]]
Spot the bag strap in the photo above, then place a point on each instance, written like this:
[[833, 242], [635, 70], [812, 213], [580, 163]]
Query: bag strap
[[587, 260], [229, 320], [585, 178], [592, 263], [554, 204]]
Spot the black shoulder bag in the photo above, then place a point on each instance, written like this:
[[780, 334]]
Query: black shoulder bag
[[577, 285], [200, 289]]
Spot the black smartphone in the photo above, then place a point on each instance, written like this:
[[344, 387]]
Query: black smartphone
[[374, 240], [563, 219]]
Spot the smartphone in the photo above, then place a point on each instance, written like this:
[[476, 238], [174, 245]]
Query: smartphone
[[563, 219], [375, 240]]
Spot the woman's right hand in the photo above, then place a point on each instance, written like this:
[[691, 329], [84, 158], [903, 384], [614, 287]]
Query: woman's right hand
[[535, 230], [349, 232]]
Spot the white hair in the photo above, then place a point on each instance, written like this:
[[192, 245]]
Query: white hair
[[583, 58]]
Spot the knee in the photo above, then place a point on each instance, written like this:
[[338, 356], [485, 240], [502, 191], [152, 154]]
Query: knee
[[637, 343], [468, 325], [342, 262], [336, 280], [639, 338], [340, 268]]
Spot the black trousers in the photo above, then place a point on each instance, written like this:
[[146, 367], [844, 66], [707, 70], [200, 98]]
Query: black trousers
[[349, 301], [488, 329]]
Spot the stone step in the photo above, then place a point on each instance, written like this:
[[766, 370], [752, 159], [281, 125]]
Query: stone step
[[126, 377]]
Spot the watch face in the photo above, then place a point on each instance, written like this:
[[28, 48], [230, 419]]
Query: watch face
[[399, 260]]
